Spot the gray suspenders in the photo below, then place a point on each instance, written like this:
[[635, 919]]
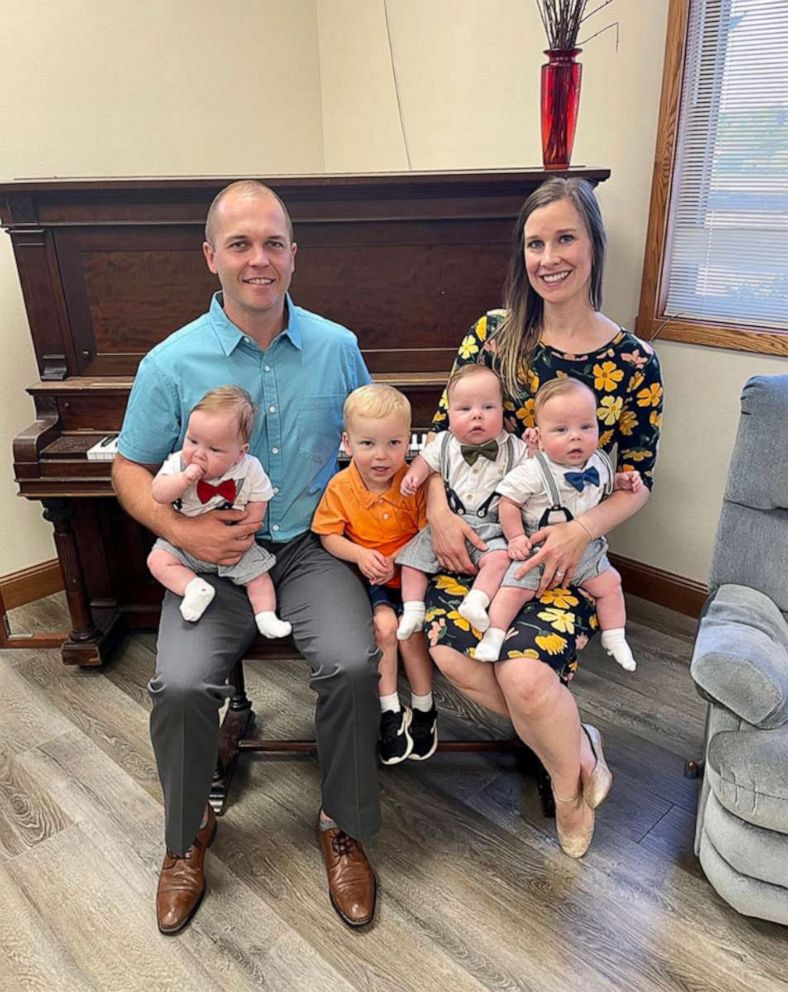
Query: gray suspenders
[[551, 488], [455, 503]]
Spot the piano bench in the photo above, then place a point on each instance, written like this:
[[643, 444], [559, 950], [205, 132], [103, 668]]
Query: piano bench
[[238, 723]]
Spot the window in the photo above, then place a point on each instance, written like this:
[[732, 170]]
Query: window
[[716, 266]]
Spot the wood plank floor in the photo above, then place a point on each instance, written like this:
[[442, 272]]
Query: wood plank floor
[[475, 893]]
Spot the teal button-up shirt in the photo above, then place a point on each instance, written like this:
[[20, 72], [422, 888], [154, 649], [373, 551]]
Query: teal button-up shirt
[[299, 384]]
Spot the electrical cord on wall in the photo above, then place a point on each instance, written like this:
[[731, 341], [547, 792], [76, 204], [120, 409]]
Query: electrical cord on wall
[[396, 85]]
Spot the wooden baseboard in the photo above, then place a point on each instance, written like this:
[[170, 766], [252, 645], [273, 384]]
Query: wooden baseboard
[[674, 591], [30, 584]]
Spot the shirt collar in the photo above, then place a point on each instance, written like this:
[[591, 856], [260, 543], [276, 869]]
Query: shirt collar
[[367, 498], [230, 336]]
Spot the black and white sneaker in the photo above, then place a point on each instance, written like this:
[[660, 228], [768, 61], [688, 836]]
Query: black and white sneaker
[[424, 731], [395, 740]]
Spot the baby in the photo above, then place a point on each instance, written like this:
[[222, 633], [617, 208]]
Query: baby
[[363, 518], [567, 476], [472, 458], [214, 471]]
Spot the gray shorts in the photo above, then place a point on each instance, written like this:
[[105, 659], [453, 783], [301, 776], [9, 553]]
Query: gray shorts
[[418, 552], [254, 562], [593, 563]]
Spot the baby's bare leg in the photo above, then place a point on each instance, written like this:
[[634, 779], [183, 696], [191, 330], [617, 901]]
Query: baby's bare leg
[[262, 596], [180, 579], [492, 568], [414, 591], [612, 613], [506, 604]]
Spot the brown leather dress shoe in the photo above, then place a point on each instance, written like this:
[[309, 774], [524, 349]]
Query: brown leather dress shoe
[[352, 886], [182, 881]]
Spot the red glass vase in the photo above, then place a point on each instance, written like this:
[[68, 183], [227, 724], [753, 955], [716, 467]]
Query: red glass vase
[[560, 100]]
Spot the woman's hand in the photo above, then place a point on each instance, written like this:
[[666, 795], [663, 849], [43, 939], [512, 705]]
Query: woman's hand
[[562, 549], [449, 534]]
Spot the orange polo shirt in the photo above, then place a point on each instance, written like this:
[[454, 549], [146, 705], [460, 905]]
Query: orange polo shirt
[[384, 522]]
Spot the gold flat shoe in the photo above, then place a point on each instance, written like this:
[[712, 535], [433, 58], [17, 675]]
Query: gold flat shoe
[[599, 781], [574, 844]]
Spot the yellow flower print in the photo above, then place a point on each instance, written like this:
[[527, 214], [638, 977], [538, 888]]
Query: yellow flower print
[[480, 330], [462, 623], [637, 455], [562, 598], [469, 347], [532, 382], [508, 405], [526, 413], [433, 612], [561, 375], [527, 653], [626, 467], [609, 409], [559, 619], [440, 416], [451, 585], [605, 439], [655, 418], [635, 382], [551, 643], [650, 396], [627, 422], [607, 376], [593, 622]]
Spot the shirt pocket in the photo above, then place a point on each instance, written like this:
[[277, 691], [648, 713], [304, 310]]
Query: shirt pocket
[[320, 433]]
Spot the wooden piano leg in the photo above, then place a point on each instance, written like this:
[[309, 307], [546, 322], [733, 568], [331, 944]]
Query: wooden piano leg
[[88, 643], [237, 723]]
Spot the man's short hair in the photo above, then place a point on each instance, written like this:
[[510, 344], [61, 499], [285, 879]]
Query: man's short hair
[[559, 387], [232, 399], [245, 187], [465, 371], [376, 401]]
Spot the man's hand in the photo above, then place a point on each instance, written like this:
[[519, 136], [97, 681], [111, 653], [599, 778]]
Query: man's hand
[[519, 548], [373, 565], [210, 537], [628, 481]]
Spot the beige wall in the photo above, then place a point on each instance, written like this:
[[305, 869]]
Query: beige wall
[[170, 88], [176, 87]]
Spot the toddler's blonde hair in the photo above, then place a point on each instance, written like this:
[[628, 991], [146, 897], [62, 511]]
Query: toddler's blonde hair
[[376, 401]]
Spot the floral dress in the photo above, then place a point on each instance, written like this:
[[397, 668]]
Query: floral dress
[[625, 376]]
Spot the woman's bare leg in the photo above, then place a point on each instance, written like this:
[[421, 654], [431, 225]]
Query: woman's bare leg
[[473, 679]]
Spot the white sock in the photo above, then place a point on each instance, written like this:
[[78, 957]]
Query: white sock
[[196, 599], [474, 609], [390, 702], [412, 619], [270, 626], [421, 703], [615, 643], [489, 647]]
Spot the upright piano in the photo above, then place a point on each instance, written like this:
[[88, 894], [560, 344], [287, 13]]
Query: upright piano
[[108, 268]]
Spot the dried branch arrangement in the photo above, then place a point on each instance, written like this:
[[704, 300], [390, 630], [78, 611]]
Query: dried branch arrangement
[[563, 19]]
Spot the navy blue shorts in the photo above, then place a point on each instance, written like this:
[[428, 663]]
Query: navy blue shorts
[[385, 596]]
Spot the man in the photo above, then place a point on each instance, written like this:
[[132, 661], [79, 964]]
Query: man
[[298, 368]]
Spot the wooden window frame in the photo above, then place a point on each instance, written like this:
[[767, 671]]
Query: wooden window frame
[[652, 321]]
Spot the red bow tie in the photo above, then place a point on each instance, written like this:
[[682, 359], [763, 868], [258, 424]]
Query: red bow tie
[[225, 489]]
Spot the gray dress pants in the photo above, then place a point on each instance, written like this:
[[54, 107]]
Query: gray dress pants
[[329, 609]]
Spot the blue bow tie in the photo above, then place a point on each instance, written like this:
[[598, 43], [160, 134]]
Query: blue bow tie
[[582, 479]]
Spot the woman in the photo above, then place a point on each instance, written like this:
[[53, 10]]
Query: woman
[[552, 326]]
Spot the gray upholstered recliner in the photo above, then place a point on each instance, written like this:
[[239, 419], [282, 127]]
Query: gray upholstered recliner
[[740, 664]]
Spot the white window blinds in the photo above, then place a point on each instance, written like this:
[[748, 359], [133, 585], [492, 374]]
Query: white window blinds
[[728, 259]]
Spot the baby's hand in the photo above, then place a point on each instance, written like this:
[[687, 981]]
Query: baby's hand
[[519, 548], [376, 567], [629, 481], [531, 438], [409, 485], [193, 472]]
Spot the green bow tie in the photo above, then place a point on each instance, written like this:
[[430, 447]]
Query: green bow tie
[[470, 452]]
